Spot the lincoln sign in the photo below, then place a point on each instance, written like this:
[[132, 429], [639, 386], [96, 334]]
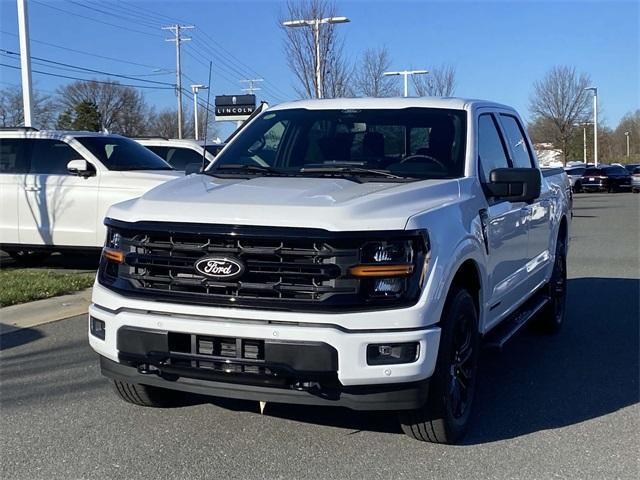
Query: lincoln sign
[[234, 107]]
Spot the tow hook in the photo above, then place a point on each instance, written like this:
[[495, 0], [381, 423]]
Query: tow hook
[[307, 386], [147, 369]]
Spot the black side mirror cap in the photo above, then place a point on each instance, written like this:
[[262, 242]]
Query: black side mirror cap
[[515, 184]]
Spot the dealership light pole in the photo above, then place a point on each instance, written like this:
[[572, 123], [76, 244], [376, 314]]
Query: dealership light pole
[[195, 89], [626, 134], [405, 74], [315, 23], [595, 123], [25, 61]]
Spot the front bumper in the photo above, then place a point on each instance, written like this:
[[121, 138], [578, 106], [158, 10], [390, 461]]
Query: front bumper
[[351, 345], [407, 396]]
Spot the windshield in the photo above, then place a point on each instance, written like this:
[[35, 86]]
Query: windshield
[[119, 153], [401, 144]]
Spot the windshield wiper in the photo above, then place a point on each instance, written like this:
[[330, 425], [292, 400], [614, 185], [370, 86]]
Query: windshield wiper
[[350, 169], [243, 168]]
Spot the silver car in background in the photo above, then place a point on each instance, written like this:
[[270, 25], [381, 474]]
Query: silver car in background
[[635, 180], [575, 174]]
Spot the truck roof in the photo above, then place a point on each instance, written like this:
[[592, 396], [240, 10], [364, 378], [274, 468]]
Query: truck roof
[[389, 103], [54, 134]]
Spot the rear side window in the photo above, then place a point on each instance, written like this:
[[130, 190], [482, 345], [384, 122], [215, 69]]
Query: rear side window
[[490, 149], [13, 155], [517, 142], [615, 171], [50, 157], [177, 157]]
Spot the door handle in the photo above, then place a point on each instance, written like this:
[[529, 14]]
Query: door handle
[[32, 189]]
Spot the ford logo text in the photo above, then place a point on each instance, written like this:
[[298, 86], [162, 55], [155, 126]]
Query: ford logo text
[[220, 267]]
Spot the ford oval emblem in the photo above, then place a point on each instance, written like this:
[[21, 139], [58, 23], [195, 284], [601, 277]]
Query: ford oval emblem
[[223, 268]]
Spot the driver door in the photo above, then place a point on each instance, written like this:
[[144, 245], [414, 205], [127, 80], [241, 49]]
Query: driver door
[[506, 226], [55, 207]]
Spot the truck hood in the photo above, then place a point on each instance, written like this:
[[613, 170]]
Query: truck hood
[[328, 203], [151, 175], [138, 181]]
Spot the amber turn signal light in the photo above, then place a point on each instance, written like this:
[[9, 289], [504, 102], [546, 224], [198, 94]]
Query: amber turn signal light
[[112, 255], [381, 270]]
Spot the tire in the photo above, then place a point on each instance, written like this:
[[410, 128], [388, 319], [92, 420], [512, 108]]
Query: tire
[[445, 416], [148, 396], [577, 187], [552, 316], [634, 190], [29, 258]]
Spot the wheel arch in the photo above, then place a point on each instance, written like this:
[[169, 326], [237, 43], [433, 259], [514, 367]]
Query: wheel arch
[[469, 277]]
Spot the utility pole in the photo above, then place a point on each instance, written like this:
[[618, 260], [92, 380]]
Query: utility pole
[[626, 134], [251, 89], [25, 62], [315, 23], [405, 74], [178, 39], [195, 89], [595, 123]]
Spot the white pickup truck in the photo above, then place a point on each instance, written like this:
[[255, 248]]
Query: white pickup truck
[[348, 252]]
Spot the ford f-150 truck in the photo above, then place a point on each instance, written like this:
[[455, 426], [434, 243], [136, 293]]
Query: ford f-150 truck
[[351, 252]]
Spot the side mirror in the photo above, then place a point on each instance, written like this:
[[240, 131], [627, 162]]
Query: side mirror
[[81, 168], [190, 168], [515, 184]]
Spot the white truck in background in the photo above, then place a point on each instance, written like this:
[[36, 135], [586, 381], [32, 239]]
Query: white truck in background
[[348, 252], [56, 187]]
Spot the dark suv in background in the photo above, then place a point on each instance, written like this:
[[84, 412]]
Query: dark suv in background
[[605, 179]]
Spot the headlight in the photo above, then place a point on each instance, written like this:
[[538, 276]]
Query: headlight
[[388, 252], [391, 269], [112, 250]]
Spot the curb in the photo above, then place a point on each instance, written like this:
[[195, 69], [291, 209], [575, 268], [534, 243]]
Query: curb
[[39, 312]]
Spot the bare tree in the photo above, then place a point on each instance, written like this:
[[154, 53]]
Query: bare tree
[[12, 111], [629, 123], [300, 49], [439, 82], [165, 124], [122, 109], [369, 79], [561, 100]]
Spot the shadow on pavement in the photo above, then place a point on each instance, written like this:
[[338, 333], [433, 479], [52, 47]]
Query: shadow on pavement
[[81, 261], [18, 337], [539, 382]]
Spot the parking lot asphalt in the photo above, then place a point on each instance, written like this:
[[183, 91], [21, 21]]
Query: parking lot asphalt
[[563, 406]]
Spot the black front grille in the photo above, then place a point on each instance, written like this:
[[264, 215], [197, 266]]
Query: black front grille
[[284, 268]]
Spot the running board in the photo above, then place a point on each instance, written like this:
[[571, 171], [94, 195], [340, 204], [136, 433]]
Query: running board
[[505, 331]]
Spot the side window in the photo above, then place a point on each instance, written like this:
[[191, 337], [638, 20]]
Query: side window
[[51, 157], [517, 142], [13, 155], [179, 158], [490, 149], [162, 152]]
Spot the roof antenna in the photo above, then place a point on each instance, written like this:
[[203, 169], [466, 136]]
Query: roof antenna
[[206, 122]]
